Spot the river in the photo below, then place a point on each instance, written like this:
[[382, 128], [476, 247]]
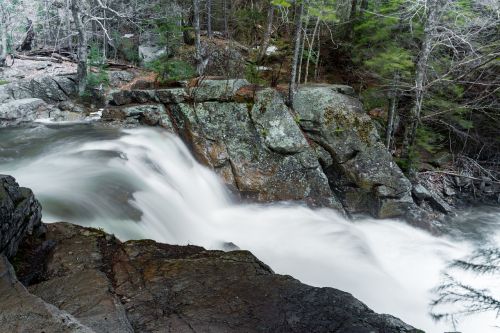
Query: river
[[143, 183]]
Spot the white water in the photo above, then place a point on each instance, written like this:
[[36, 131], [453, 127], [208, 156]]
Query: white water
[[387, 264]]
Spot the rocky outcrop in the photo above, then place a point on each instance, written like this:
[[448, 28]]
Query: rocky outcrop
[[144, 286], [256, 148], [325, 151], [17, 112], [51, 89], [360, 169], [21, 311], [20, 215], [42, 97], [253, 142]]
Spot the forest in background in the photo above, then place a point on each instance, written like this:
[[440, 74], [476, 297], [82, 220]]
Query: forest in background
[[427, 70]]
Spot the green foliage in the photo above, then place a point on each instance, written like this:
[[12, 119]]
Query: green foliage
[[246, 19], [373, 98], [428, 139], [127, 47], [97, 76], [252, 74], [170, 33], [171, 69], [3, 82], [390, 60]]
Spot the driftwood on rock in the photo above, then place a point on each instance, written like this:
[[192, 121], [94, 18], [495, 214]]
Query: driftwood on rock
[[39, 58]]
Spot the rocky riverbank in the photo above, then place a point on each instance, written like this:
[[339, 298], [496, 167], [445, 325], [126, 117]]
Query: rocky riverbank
[[67, 278], [323, 150]]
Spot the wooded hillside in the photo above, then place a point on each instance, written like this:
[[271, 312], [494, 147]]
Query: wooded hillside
[[427, 70]]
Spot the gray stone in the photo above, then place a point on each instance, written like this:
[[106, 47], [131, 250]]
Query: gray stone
[[216, 90], [16, 112], [20, 215], [274, 120], [168, 288], [225, 137], [420, 192], [359, 160], [22, 312]]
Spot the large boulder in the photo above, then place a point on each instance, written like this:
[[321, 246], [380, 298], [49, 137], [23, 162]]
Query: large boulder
[[358, 166], [163, 288], [20, 215], [21, 311], [256, 147], [17, 112], [51, 89]]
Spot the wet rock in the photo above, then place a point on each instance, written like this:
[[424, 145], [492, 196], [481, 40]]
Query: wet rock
[[420, 192], [51, 89], [273, 118], [17, 112], [361, 170], [118, 78], [215, 90], [20, 215], [21, 311], [165, 288], [257, 148], [147, 114]]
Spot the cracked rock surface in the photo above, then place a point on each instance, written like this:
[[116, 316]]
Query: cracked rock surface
[[144, 286]]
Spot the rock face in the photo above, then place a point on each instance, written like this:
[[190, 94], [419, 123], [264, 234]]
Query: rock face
[[25, 101], [49, 88], [17, 112], [325, 151], [20, 215], [256, 147], [357, 164], [144, 286], [21, 311]]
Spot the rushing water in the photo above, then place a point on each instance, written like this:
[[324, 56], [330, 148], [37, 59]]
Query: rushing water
[[144, 183]]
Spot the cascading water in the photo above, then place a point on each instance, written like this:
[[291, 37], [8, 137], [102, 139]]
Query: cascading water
[[143, 183]]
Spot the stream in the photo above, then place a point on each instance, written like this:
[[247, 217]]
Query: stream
[[144, 183]]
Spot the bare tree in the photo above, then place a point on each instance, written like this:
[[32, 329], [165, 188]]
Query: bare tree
[[209, 18], [268, 32], [82, 51], [434, 9], [299, 11]]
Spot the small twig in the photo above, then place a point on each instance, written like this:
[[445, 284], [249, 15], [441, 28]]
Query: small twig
[[456, 175]]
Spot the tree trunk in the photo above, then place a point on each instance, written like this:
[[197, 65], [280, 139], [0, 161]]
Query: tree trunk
[[421, 73], [352, 19], [226, 20], [392, 112], [296, 54], [209, 19], [316, 65], [3, 43], [267, 33], [311, 46], [197, 42], [302, 48], [82, 51]]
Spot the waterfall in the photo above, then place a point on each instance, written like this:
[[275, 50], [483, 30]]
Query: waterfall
[[144, 183]]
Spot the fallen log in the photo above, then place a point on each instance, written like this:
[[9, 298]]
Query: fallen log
[[33, 58]]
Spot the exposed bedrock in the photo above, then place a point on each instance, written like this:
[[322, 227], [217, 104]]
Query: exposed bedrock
[[20, 215], [324, 151], [144, 286]]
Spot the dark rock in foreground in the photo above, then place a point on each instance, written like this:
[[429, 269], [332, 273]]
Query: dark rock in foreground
[[20, 214], [144, 286]]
